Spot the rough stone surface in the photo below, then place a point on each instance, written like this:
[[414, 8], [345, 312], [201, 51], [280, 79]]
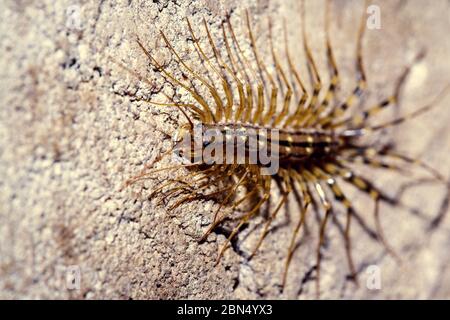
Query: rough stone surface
[[71, 134]]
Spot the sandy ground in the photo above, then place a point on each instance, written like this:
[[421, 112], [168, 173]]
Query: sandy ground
[[70, 135]]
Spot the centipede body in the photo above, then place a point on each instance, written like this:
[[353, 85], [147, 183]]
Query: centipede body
[[318, 138]]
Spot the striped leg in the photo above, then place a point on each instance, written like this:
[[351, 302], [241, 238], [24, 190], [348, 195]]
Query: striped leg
[[438, 177], [285, 193], [360, 119], [334, 76], [265, 197], [245, 109], [281, 75], [231, 71], [340, 196], [192, 107], [264, 76], [250, 75], [413, 114], [302, 101], [376, 195], [323, 223], [306, 199], [314, 75], [216, 221], [338, 111]]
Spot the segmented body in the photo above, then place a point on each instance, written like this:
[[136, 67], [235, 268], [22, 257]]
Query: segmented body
[[293, 146], [317, 142]]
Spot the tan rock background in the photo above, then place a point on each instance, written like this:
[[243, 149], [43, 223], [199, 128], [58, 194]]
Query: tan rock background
[[68, 141]]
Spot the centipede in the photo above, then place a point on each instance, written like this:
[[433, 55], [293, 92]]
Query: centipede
[[318, 137]]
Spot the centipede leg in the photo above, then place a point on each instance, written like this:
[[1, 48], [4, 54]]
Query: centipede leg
[[376, 195], [302, 101], [232, 192], [280, 75], [376, 214], [244, 114], [208, 116], [327, 207], [314, 75], [340, 196], [334, 75], [306, 200], [218, 101], [245, 218], [272, 216], [338, 111], [437, 176], [360, 119]]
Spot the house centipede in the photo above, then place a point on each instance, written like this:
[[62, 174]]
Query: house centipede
[[317, 140]]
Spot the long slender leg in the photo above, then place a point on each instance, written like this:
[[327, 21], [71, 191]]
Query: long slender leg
[[317, 83], [198, 195], [246, 197], [304, 207], [211, 88], [304, 97], [281, 74], [360, 119], [436, 175], [234, 72], [217, 221], [261, 66], [370, 157], [288, 188], [223, 65], [241, 55], [147, 175], [245, 101], [246, 217], [185, 183], [195, 189], [334, 76], [360, 76], [376, 195], [195, 109], [225, 84], [323, 223], [245, 116], [258, 116], [413, 114], [209, 116], [340, 196]]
